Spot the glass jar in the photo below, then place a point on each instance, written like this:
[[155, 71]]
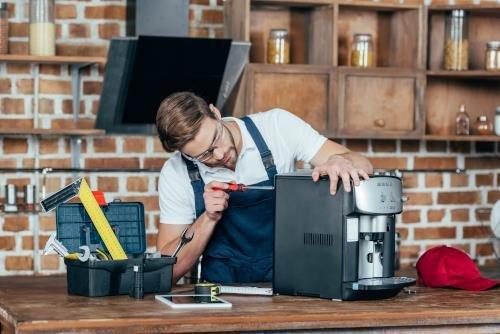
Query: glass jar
[[483, 127], [42, 28], [492, 59], [456, 43], [362, 52], [278, 47], [497, 121], [4, 29], [462, 122]]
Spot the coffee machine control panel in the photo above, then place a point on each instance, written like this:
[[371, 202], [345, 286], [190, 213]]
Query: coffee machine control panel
[[379, 195]]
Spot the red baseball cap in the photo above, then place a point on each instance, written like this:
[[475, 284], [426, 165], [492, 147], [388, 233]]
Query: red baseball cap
[[444, 266]]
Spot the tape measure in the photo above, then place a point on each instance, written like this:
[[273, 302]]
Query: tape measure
[[206, 292], [82, 189]]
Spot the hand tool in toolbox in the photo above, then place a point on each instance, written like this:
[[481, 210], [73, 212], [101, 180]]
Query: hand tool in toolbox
[[55, 245], [238, 187], [81, 189]]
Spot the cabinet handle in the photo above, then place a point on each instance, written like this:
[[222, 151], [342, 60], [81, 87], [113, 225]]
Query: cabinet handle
[[379, 123]]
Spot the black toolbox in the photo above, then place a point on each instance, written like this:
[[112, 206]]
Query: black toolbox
[[110, 277]]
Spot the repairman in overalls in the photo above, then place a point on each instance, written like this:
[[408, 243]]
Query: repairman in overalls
[[234, 231]]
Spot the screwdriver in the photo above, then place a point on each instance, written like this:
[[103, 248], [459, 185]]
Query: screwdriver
[[236, 187]]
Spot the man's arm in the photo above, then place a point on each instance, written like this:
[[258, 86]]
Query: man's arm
[[337, 161], [169, 235]]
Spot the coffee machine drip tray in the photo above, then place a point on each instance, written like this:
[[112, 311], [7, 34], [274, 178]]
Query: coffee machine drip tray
[[383, 283]]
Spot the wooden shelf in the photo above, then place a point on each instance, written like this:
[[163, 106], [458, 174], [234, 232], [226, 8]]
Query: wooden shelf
[[59, 60], [492, 138], [406, 95], [292, 2], [474, 74], [52, 132]]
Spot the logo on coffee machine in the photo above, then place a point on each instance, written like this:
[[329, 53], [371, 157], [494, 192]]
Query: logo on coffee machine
[[384, 184]]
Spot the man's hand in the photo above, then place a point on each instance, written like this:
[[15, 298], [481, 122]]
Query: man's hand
[[216, 200], [339, 166]]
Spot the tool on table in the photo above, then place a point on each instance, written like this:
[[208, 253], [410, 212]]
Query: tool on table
[[137, 290], [82, 189], [215, 289], [237, 187], [184, 240]]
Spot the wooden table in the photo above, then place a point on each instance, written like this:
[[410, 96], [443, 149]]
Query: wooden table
[[41, 305]]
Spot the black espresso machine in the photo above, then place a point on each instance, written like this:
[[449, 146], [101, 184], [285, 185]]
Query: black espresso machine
[[338, 247]]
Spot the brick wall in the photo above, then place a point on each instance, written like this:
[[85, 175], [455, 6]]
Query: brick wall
[[443, 208]]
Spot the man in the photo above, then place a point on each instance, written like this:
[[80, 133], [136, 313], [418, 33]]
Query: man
[[234, 231]]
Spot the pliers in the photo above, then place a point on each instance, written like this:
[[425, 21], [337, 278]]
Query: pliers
[[184, 240]]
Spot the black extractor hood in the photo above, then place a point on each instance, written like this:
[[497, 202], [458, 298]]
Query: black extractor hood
[[141, 71]]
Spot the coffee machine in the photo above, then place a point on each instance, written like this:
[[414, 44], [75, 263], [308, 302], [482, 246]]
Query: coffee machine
[[337, 247]]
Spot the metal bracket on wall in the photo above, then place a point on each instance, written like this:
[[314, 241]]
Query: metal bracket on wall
[[76, 151], [76, 142]]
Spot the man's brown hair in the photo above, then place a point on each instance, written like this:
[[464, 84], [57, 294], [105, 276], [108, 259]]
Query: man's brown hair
[[179, 119]]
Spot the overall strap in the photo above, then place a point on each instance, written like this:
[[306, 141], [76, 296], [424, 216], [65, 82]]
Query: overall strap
[[265, 152], [197, 184]]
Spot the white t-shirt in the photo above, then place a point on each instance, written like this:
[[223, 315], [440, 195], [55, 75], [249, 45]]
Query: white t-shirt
[[288, 137]]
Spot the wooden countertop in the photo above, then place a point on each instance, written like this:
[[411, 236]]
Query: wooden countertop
[[41, 304]]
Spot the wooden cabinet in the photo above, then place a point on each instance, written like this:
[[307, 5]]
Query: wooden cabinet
[[303, 90], [407, 95], [375, 102], [396, 32], [477, 88]]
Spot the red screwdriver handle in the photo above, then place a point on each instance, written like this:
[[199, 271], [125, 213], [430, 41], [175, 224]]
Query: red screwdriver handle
[[232, 187]]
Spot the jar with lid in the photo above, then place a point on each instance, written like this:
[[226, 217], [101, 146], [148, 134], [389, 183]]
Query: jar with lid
[[497, 121], [492, 59], [278, 47], [42, 28], [4, 28], [483, 127], [362, 52], [462, 122], [456, 43]]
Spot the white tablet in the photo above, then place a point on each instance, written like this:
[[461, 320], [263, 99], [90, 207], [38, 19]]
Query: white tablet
[[193, 301]]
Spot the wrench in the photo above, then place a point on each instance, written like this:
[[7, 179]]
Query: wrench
[[184, 240], [86, 254]]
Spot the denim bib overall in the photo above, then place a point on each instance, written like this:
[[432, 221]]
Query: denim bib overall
[[241, 246]]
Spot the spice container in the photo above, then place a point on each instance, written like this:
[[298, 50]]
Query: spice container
[[456, 48], [362, 53], [42, 28], [462, 122], [492, 59], [278, 47], [4, 29], [482, 126], [497, 121]]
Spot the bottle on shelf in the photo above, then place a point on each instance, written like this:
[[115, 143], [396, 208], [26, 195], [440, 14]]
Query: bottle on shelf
[[4, 28], [483, 127], [278, 47], [462, 122], [42, 40], [497, 121], [456, 48], [362, 52], [492, 58]]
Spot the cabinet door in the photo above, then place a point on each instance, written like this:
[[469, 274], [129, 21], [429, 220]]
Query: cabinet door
[[375, 103], [303, 90]]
